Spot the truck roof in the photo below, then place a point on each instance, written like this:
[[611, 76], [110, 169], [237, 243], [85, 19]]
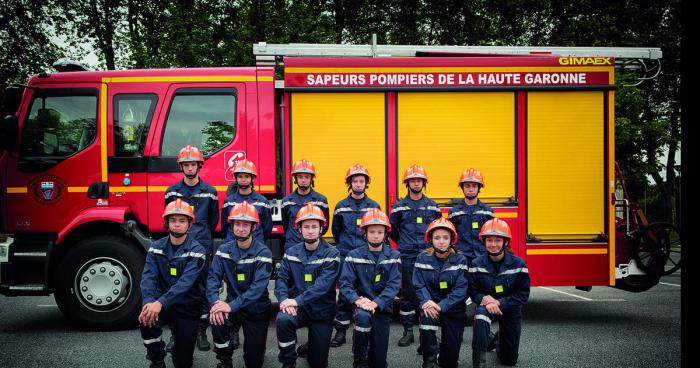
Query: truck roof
[[171, 74]]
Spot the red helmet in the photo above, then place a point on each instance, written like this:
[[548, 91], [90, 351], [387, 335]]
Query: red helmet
[[244, 211], [310, 212], [375, 217], [179, 207], [245, 166], [441, 223], [303, 166], [414, 172], [190, 153], [356, 169], [495, 227], [472, 176]]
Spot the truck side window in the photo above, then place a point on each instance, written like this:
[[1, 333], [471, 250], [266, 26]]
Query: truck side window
[[132, 118], [204, 118], [59, 123]]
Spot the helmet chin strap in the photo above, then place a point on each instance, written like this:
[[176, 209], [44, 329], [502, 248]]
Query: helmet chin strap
[[499, 253], [243, 238], [471, 198], [310, 241], [244, 187], [441, 251], [375, 245], [178, 235]]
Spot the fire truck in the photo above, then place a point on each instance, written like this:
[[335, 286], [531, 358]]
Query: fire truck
[[86, 156]]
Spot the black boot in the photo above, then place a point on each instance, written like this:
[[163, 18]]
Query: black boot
[[235, 342], [339, 338], [289, 365], [158, 364], [303, 350], [407, 338], [224, 365], [493, 341], [478, 359], [202, 342], [429, 361], [360, 363]]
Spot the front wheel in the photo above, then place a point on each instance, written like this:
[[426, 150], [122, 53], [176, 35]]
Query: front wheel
[[98, 283]]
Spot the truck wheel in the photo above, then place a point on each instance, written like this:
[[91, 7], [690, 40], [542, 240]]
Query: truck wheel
[[98, 283]]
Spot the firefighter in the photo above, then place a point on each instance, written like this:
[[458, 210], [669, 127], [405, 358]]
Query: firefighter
[[245, 174], [499, 283], [441, 285], [203, 197], [245, 264], [409, 219], [304, 173], [370, 280], [171, 287], [347, 234], [470, 215], [305, 287]]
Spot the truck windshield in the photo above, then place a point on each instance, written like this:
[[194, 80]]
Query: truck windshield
[[60, 123]]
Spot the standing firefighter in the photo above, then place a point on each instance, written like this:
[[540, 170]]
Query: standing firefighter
[[409, 221], [499, 283], [441, 285], [202, 196], [245, 264], [346, 230], [245, 174], [171, 288], [305, 287], [470, 215], [304, 174], [370, 280]]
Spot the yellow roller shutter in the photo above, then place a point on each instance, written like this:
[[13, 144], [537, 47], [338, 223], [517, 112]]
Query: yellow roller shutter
[[337, 130], [449, 132], [565, 168]]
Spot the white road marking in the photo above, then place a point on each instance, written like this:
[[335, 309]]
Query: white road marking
[[665, 283], [47, 305], [565, 293], [592, 300]]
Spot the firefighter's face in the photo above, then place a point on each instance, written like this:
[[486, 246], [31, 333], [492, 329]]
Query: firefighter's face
[[243, 180], [189, 168], [178, 224], [470, 189], [494, 244], [441, 239], [303, 180], [242, 228], [310, 229], [416, 184], [376, 233], [358, 183]]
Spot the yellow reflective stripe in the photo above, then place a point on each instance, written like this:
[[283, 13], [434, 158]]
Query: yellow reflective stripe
[[103, 132], [540, 252], [506, 214], [16, 190], [136, 189], [77, 189], [173, 78], [296, 70]]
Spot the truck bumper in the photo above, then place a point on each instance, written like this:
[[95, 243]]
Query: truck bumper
[[24, 266]]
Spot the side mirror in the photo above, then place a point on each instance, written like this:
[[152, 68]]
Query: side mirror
[[48, 118], [11, 99], [9, 135]]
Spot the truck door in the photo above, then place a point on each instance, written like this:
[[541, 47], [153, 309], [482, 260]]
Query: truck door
[[211, 116], [59, 158], [132, 109]]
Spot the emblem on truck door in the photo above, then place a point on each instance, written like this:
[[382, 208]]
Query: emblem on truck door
[[47, 189], [231, 158]]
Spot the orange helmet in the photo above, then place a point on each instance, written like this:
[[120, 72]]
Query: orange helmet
[[375, 217], [414, 172], [495, 227], [356, 169], [244, 211], [472, 176], [190, 153], [310, 212], [245, 166], [179, 207], [303, 166], [441, 223]]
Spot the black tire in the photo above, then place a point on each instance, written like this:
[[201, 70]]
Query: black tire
[[655, 245], [117, 254]]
